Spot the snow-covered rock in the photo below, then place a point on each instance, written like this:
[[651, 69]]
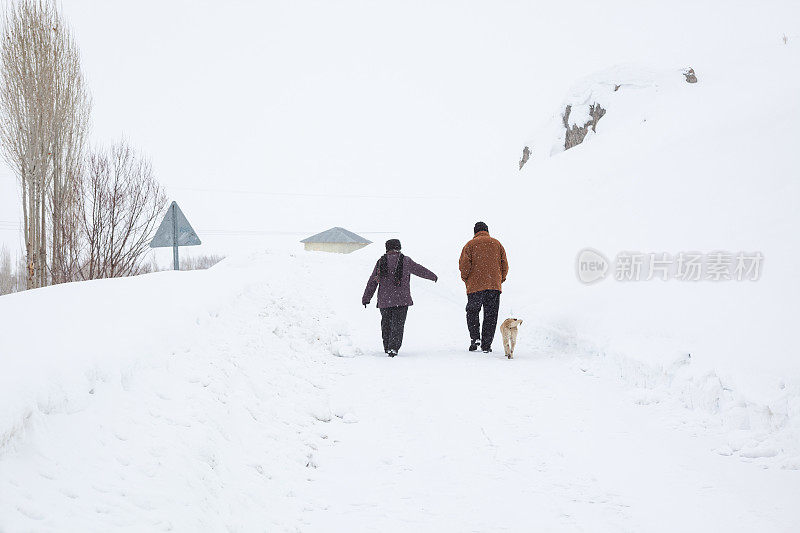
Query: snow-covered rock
[[609, 91]]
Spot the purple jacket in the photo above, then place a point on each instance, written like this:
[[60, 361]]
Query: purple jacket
[[389, 293]]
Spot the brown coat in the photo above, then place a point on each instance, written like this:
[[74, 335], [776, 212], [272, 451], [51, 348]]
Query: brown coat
[[483, 263]]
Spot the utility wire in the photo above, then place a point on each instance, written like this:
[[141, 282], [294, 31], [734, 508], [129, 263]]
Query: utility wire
[[9, 226], [257, 233], [315, 195]]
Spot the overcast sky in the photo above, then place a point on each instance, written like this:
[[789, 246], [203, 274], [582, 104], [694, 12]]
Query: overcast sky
[[400, 99]]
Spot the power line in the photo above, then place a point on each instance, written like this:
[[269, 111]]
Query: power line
[[217, 232], [317, 195], [255, 233]]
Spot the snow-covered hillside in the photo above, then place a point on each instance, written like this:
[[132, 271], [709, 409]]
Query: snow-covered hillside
[[677, 167]]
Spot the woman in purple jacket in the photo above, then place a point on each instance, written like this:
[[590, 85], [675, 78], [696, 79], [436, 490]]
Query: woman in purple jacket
[[392, 277]]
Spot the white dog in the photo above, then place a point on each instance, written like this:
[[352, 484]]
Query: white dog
[[509, 330]]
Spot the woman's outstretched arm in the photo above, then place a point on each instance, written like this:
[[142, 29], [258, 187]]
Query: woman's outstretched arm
[[421, 271], [372, 284]]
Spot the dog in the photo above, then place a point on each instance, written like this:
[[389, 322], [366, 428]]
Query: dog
[[509, 330]]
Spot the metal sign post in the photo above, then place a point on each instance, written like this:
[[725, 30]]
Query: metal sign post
[[175, 263], [175, 231]]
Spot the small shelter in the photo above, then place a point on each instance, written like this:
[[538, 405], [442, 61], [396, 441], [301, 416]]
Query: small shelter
[[335, 240]]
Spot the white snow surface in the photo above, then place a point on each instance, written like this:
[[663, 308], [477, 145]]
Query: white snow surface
[[677, 167], [214, 401], [254, 396], [173, 401]]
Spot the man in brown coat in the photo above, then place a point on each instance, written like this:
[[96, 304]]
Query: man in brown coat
[[484, 268]]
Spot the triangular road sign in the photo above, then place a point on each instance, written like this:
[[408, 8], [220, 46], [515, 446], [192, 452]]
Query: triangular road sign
[[175, 225]]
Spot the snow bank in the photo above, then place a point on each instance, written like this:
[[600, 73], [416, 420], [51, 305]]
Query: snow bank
[[189, 400], [764, 428], [675, 167]]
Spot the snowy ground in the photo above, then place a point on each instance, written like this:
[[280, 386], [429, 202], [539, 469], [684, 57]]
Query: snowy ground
[[554, 440], [254, 396], [249, 422], [450, 441]]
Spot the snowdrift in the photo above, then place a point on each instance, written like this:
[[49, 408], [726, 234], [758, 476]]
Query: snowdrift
[[675, 167], [178, 399]]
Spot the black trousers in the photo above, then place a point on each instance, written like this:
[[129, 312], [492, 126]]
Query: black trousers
[[490, 302], [393, 321]]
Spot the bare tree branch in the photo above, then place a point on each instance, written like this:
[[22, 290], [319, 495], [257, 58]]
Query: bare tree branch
[[120, 212]]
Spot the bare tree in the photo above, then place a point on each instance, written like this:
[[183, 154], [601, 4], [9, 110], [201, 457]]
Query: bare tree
[[12, 273], [44, 116], [120, 211], [6, 271], [68, 245], [20, 278], [72, 108]]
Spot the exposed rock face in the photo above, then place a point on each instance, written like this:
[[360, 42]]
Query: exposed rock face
[[576, 134], [589, 100], [526, 154]]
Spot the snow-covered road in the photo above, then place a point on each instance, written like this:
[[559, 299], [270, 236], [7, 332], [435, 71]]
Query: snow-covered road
[[448, 440], [465, 442]]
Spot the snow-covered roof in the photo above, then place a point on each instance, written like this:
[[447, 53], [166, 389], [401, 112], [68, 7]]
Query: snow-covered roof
[[337, 235]]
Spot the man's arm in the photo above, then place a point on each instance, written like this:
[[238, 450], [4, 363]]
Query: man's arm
[[465, 262], [372, 284], [503, 263]]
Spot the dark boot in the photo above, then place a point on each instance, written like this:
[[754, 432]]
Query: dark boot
[[473, 346]]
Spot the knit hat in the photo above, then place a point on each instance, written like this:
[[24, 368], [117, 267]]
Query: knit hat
[[481, 226], [393, 244]]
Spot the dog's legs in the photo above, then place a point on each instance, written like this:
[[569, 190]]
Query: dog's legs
[[513, 342], [506, 342]]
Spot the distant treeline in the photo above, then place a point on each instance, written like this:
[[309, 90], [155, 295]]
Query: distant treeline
[[13, 271]]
